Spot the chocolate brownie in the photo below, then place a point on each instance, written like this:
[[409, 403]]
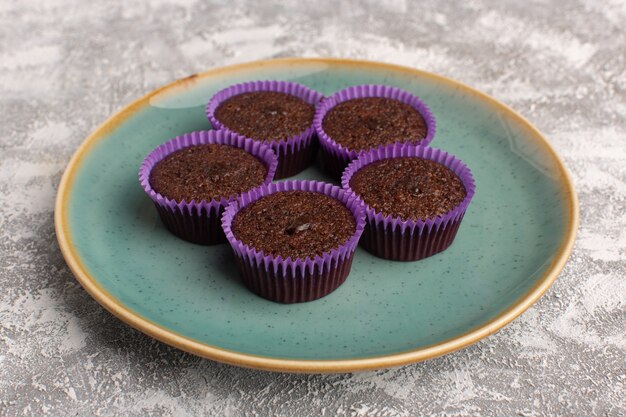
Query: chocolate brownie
[[265, 115], [364, 123], [205, 172], [294, 223], [409, 188]]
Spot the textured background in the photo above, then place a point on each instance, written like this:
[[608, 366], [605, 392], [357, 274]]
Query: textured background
[[66, 66]]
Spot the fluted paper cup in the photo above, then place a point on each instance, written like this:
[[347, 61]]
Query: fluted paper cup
[[288, 280], [199, 221], [392, 237], [294, 153], [335, 157]]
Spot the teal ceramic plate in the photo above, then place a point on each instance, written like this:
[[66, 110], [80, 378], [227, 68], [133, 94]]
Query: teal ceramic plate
[[513, 241]]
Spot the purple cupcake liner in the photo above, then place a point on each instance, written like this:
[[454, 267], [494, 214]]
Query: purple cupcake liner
[[410, 240], [288, 280], [199, 221], [335, 157], [294, 153]]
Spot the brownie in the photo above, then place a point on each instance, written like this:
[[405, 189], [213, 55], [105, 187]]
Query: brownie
[[364, 123], [265, 115], [294, 223], [205, 172], [409, 188]]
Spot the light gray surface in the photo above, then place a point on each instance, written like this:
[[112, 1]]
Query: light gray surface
[[66, 66]]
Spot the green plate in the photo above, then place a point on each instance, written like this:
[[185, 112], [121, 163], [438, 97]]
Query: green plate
[[514, 240]]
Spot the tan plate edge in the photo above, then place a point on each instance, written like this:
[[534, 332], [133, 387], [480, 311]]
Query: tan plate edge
[[289, 365]]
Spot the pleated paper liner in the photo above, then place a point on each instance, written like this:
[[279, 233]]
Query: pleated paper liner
[[295, 153], [393, 238], [288, 280], [335, 157], [199, 221]]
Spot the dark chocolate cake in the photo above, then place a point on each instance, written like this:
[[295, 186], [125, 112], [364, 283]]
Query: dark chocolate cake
[[364, 123], [265, 115], [409, 188], [205, 172], [294, 223]]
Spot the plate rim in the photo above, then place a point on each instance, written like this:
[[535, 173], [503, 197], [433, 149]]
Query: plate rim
[[135, 320]]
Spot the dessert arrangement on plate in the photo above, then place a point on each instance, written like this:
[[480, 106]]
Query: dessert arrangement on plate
[[350, 187], [294, 240]]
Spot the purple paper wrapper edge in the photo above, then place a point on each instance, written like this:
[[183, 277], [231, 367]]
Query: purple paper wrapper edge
[[290, 280], [393, 238], [335, 157], [199, 222], [294, 153]]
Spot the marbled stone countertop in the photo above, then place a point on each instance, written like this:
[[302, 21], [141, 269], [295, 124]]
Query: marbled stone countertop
[[66, 65]]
